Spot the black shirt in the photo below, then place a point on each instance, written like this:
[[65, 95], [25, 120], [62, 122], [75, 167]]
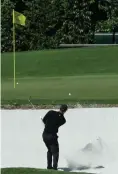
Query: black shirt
[[53, 120]]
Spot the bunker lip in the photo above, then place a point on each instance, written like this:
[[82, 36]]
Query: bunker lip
[[10, 107]]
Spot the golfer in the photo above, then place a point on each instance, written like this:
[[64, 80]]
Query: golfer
[[52, 121]]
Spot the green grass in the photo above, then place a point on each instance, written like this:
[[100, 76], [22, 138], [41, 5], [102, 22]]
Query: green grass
[[89, 74], [32, 171]]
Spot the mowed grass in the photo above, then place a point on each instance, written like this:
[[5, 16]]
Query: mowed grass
[[32, 171], [89, 74]]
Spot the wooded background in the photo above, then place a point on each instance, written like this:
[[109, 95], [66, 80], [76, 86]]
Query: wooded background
[[53, 22]]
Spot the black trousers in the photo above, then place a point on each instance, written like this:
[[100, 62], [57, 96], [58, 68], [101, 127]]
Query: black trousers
[[51, 142]]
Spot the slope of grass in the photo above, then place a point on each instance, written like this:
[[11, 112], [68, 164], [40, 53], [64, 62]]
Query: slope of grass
[[31, 171], [89, 74], [65, 62]]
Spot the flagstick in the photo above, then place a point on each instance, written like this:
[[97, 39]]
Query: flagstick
[[14, 54]]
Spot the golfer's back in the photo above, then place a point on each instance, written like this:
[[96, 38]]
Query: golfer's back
[[53, 120]]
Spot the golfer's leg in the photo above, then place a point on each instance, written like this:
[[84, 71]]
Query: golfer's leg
[[49, 153], [55, 160], [55, 153], [49, 159]]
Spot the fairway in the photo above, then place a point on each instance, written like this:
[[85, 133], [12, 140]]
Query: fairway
[[89, 74]]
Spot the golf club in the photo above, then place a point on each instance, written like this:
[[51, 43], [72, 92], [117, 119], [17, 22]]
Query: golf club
[[32, 105], [31, 102]]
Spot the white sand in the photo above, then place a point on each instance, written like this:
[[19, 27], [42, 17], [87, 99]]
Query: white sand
[[22, 145]]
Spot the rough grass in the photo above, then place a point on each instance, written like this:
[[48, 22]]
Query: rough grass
[[89, 74], [32, 171]]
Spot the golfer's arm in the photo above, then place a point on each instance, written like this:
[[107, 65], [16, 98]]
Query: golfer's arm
[[45, 117], [62, 121]]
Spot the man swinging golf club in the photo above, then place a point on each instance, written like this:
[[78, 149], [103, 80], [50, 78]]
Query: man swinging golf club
[[52, 121]]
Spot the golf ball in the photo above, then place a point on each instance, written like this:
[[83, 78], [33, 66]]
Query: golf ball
[[17, 83], [69, 93]]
